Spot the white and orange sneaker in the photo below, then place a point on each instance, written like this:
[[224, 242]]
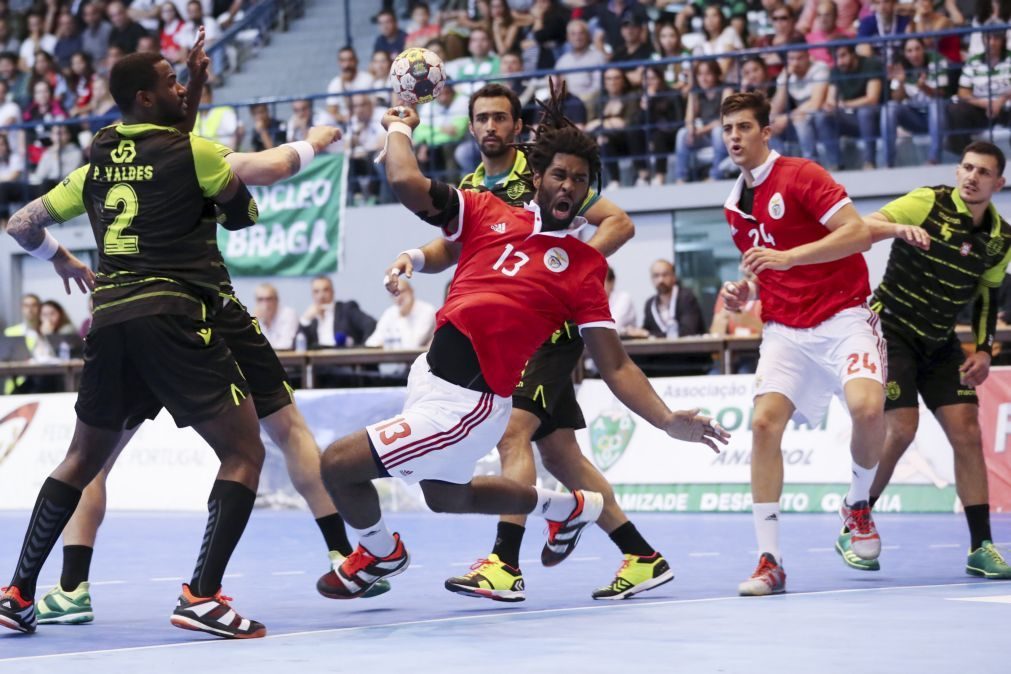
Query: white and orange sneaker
[[768, 578], [213, 615], [361, 571], [563, 536], [864, 540]]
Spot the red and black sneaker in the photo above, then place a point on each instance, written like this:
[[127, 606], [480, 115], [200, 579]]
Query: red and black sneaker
[[864, 540], [361, 570], [768, 578], [17, 613], [563, 536], [215, 616]]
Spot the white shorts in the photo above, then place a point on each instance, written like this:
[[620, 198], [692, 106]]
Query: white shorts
[[810, 365], [443, 431]]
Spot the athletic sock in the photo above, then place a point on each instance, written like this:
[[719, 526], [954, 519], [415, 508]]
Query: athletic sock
[[766, 516], [228, 510], [553, 505], [860, 485], [76, 566], [507, 543], [630, 541], [377, 539], [53, 507], [335, 534], [978, 517]]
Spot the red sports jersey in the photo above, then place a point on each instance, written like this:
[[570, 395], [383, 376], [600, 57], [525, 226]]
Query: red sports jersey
[[794, 198], [514, 285]]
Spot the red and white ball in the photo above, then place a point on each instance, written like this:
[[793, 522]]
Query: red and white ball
[[417, 76]]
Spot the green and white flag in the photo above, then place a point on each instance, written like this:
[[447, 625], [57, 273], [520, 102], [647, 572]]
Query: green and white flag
[[301, 225]]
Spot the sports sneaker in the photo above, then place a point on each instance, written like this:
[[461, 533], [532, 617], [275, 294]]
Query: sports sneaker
[[637, 574], [490, 578], [563, 536], [60, 607], [985, 561], [361, 571], [864, 540], [215, 616], [844, 547], [768, 578], [380, 586], [16, 613]]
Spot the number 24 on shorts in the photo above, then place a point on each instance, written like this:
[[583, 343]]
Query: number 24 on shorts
[[388, 434], [855, 365]]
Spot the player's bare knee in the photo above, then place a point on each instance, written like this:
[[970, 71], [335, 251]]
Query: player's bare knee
[[766, 424], [443, 500], [867, 414]]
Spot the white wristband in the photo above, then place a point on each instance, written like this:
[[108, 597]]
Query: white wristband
[[395, 127], [417, 258], [47, 249], [306, 153]]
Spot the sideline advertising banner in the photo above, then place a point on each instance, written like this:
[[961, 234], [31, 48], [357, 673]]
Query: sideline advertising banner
[[300, 228]]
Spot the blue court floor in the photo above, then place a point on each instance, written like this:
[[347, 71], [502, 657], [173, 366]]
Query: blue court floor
[[920, 613]]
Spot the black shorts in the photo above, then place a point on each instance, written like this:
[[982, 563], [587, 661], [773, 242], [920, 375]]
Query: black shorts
[[930, 370], [135, 368], [546, 388], [264, 373]]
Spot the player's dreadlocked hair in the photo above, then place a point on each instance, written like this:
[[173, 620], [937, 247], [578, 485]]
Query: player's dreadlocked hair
[[556, 134]]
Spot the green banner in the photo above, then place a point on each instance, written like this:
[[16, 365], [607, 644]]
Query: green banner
[[807, 498], [300, 229]]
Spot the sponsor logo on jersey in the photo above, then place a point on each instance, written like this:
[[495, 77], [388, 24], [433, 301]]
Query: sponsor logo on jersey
[[777, 207], [965, 249], [499, 228], [125, 153], [405, 472], [610, 434], [556, 260]]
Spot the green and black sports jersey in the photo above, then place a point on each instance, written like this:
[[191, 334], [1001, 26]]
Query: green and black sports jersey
[[923, 290], [147, 193]]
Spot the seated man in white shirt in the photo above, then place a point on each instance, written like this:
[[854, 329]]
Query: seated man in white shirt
[[408, 324], [348, 80], [278, 324]]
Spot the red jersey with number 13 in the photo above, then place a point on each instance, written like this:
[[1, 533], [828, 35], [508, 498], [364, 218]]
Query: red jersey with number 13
[[514, 285], [793, 200]]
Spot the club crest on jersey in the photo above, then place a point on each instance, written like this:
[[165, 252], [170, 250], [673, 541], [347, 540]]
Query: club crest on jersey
[[965, 249], [499, 228], [777, 208], [994, 245], [556, 260], [515, 190]]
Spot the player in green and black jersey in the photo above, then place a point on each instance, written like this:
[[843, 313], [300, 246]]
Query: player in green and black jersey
[[918, 300], [544, 404], [152, 342]]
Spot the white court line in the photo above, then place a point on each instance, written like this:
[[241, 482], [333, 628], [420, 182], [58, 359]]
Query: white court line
[[938, 546], [891, 547], [109, 582], [996, 599], [287, 573], [233, 575], [490, 616], [821, 549], [162, 579], [703, 554]]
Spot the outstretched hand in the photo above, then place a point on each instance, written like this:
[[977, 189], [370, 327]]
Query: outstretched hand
[[401, 266], [690, 426], [197, 61], [70, 268]]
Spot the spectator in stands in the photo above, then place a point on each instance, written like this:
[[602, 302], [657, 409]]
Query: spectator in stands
[[545, 35], [329, 324], [195, 19], [470, 72], [983, 11], [702, 120], [673, 312], [8, 41], [661, 116], [278, 324], [622, 308], [28, 328], [17, 81], [636, 45], [846, 12], [45, 69], [365, 138], [53, 319], [219, 123], [917, 84], [349, 79], [267, 132], [505, 30], [443, 126], [36, 40], [81, 83], [408, 324], [581, 54], [57, 160], [68, 40], [784, 27], [511, 63], [11, 189], [96, 33], [852, 106], [147, 44], [423, 29], [303, 117], [668, 45], [572, 107], [720, 38], [984, 91], [170, 33], [390, 39], [613, 126], [884, 21], [379, 72], [826, 29], [125, 31], [44, 108], [929, 20], [102, 106], [10, 112], [755, 77]]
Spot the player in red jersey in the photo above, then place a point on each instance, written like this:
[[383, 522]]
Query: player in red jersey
[[802, 239], [521, 274]]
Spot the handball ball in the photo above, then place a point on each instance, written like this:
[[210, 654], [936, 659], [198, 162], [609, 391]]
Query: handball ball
[[417, 76]]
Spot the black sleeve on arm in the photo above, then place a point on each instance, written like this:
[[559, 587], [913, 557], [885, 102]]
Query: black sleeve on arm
[[240, 211], [984, 318], [445, 202]]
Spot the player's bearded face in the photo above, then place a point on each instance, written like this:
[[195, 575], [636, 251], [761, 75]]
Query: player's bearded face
[[170, 96], [493, 126], [561, 190]]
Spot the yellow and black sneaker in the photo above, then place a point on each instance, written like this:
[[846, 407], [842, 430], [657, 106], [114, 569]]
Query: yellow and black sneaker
[[490, 578], [637, 574]]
